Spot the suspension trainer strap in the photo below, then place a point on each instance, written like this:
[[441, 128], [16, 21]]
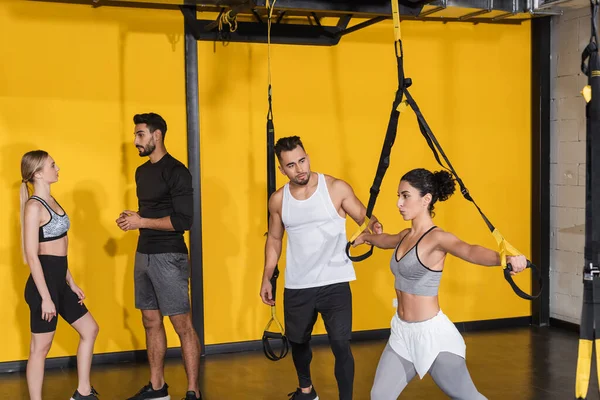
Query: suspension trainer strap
[[271, 187]]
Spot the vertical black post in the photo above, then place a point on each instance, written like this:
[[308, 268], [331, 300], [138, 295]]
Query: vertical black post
[[540, 165], [193, 140]]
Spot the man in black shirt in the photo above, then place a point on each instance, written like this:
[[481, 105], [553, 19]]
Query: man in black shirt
[[161, 272]]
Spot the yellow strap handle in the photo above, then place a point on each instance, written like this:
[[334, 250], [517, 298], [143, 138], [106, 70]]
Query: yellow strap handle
[[402, 106], [270, 8], [396, 19], [361, 229], [584, 364], [276, 320], [505, 247], [587, 93]]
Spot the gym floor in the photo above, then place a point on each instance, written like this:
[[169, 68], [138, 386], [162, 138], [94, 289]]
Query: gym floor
[[521, 363]]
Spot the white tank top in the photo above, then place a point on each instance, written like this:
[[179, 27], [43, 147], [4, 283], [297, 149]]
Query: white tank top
[[316, 240]]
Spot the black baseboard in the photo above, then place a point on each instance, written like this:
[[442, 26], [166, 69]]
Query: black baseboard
[[139, 356], [256, 345], [119, 357], [569, 326], [493, 324]]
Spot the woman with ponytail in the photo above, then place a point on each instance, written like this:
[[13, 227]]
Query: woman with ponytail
[[50, 289], [423, 340]]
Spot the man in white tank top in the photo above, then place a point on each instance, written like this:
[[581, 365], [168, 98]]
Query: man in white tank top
[[312, 208]]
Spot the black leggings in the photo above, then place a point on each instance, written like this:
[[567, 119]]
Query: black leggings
[[344, 365], [64, 299]]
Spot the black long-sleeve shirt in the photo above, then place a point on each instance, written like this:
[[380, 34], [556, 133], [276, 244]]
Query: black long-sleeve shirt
[[164, 189]]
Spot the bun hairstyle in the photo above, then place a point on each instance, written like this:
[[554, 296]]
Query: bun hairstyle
[[444, 185], [439, 184]]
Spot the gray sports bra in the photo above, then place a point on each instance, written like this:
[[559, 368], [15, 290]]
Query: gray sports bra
[[58, 225], [411, 275]]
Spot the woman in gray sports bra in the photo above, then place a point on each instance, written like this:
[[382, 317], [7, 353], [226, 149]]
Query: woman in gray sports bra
[[423, 340], [50, 290]]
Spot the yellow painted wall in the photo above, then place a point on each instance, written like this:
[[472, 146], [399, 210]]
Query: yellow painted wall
[[71, 78]]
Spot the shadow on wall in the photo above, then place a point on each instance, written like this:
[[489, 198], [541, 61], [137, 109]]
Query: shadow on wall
[[95, 242]]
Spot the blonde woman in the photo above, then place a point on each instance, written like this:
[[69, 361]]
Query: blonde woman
[[50, 289]]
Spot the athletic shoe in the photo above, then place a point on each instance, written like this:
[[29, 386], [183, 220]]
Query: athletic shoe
[[298, 395], [191, 395], [148, 393], [92, 396]]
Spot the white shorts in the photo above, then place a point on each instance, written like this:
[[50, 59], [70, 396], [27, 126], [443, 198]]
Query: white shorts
[[421, 342]]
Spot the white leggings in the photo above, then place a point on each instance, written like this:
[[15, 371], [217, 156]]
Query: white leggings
[[448, 371]]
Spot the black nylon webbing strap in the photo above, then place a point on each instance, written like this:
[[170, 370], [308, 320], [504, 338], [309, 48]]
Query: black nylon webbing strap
[[437, 150], [592, 204], [592, 46], [388, 143], [590, 313], [390, 134], [271, 187], [586, 329], [271, 182]]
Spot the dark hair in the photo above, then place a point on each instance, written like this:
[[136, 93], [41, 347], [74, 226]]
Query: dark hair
[[153, 121], [287, 144], [439, 184]]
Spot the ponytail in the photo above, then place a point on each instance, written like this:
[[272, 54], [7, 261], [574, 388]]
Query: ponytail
[[24, 195]]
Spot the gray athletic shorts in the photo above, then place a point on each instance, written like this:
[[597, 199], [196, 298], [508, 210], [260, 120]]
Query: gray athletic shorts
[[161, 282]]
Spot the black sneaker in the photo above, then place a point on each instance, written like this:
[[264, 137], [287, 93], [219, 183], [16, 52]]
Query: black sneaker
[[191, 395], [148, 393], [92, 396], [298, 395]]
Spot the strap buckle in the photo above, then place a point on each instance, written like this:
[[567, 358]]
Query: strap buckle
[[590, 271], [465, 192]]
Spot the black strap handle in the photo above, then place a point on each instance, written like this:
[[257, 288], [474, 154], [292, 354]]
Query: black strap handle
[[592, 47], [535, 270], [268, 350], [362, 257]]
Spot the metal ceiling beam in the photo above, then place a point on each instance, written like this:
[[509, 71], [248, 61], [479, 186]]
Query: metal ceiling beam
[[362, 25], [363, 8], [517, 9], [256, 32]]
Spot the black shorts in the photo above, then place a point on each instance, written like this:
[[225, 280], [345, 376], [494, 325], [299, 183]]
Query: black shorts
[[333, 302], [64, 299]]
